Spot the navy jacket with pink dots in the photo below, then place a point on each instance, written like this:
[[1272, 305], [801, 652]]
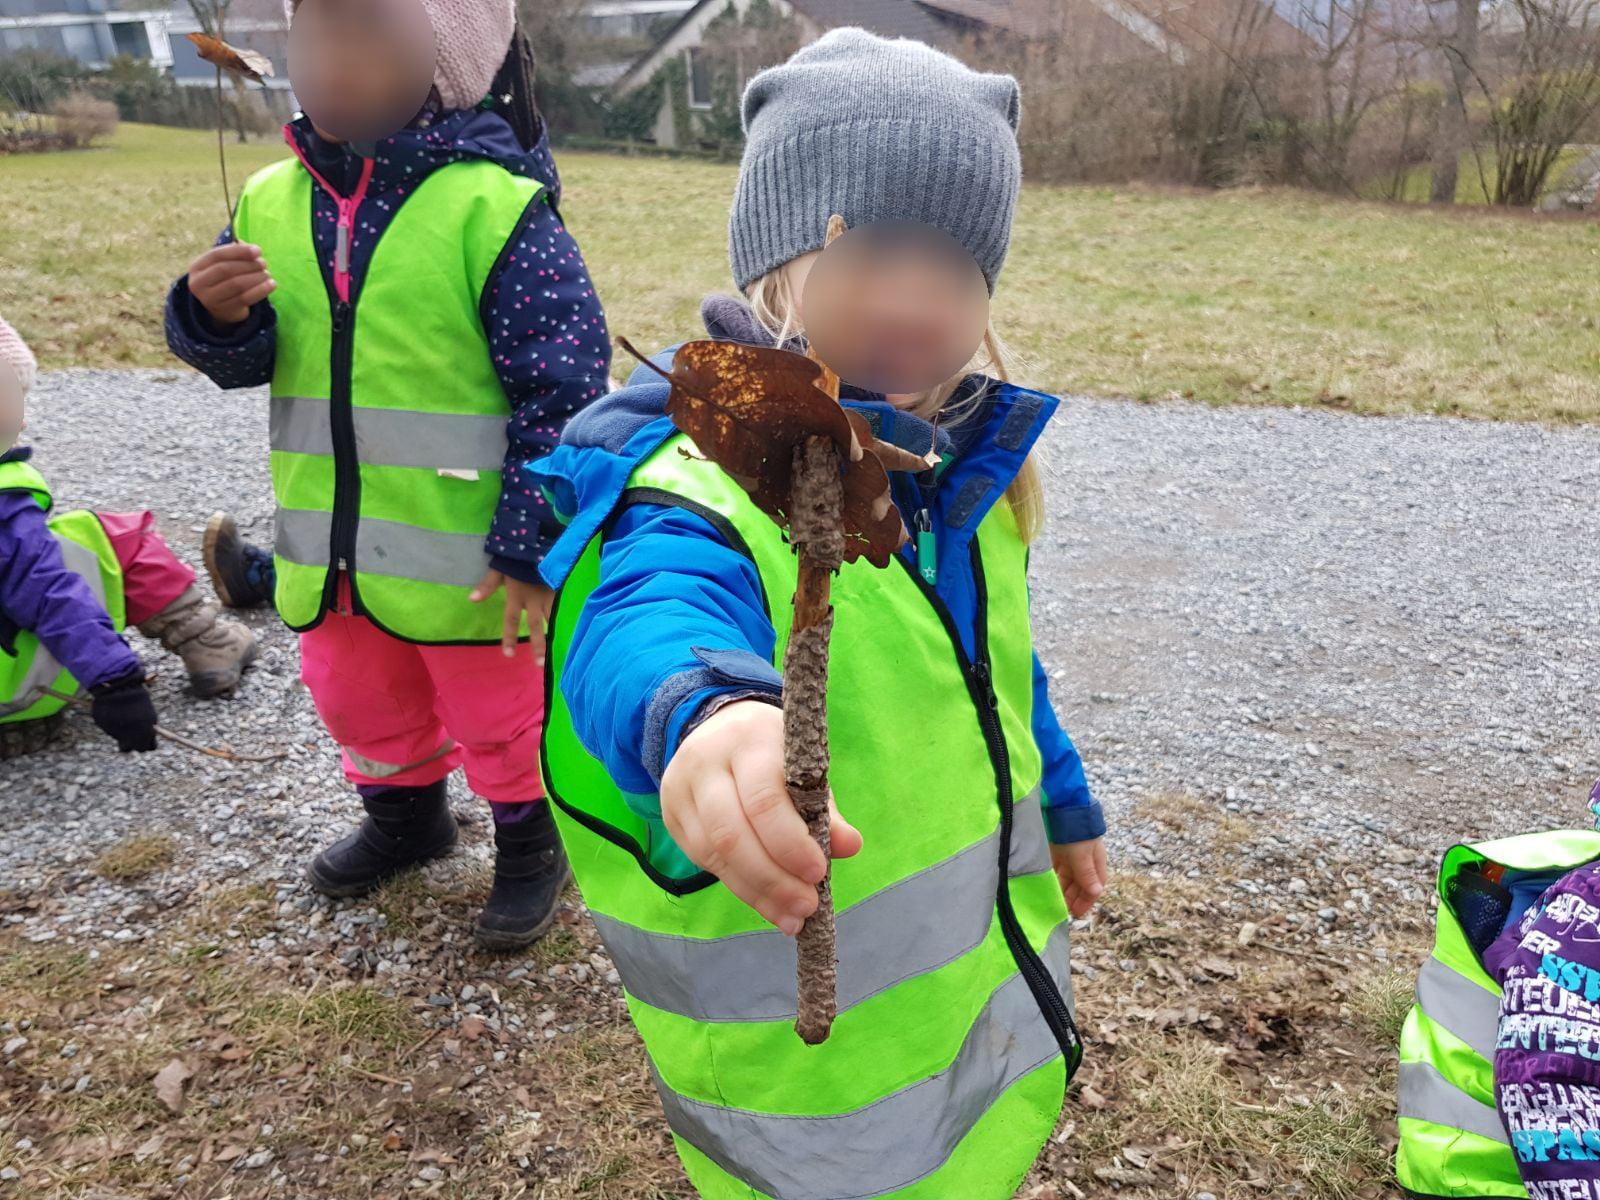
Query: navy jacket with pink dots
[[553, 357]]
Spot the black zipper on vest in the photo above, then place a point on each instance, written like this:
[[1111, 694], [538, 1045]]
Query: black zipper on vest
[[979, 676], [346, 466]]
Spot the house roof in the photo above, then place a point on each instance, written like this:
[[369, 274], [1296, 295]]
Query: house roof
[[887, 18], [928, 22]]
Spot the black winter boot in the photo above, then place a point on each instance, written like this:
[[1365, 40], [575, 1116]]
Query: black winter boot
[[530, 870], [242, 575], [405, 827]]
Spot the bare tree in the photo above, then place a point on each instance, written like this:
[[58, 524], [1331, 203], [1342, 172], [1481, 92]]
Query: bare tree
[[1548, 92], [1359, 60], [1217, 66], [1460, 53]]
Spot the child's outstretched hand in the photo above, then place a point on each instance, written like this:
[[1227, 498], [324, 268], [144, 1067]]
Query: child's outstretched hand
[[725, 803], [228, 279], [1081, 868]]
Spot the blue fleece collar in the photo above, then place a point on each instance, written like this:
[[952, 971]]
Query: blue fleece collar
[[16, 454]]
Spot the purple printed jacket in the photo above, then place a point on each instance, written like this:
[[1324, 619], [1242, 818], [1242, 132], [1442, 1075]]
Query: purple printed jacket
[[1547, 1061], [547, 332], [39, 595]]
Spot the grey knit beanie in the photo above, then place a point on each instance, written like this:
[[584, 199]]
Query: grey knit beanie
[[875, 130]]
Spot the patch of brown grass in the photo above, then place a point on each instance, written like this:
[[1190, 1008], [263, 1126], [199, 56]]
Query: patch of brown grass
[[136, 858]]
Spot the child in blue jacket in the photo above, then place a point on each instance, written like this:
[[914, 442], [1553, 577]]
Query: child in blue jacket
[[957, 789]]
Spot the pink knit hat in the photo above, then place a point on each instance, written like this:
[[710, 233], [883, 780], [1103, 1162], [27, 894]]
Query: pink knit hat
[[15, 353], [472, 37]]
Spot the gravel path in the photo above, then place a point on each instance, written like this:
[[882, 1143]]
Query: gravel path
[[1363, 637]]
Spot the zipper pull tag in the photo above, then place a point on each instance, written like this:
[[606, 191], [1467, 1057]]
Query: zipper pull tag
[[927, 549], [986, 678], [341, 316]]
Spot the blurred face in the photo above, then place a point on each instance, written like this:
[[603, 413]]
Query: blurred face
[[893, 308], [11, 407], [361, 68]]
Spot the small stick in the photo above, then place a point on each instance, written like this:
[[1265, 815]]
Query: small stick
[[816, 528], [373, 1075], [210, 751]]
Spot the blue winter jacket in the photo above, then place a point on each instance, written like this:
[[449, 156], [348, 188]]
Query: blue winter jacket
[[677, 618], [547, 332]]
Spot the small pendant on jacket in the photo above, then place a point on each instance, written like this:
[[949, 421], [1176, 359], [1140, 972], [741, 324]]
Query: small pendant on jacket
[[927, 549]]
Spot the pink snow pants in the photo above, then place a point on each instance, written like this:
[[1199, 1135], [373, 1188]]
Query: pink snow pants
[[408, 715], [152, 576]]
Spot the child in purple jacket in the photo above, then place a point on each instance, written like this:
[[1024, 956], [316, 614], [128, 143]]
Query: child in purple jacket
[[43, 596], [1547, 1067]]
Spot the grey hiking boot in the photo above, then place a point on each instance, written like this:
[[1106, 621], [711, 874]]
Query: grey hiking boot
[[216, 651]]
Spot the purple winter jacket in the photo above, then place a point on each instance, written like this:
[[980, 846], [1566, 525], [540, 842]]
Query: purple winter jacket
[[1547, 1061], [547, 332], [38, 594]]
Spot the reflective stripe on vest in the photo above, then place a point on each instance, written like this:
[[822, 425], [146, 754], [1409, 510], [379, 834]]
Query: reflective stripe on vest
[[1426, 1095], [750, 976], [388, 421], [394, 437], [1458, 1005], [896, 1140], [385, 548]]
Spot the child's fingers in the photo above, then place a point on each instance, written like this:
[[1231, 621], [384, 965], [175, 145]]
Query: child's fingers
[[770, 810], [730, 850], [491, 583], [511, 629], [225, 291], [230, 252], [257, 294], [213, 274], [844, 839]]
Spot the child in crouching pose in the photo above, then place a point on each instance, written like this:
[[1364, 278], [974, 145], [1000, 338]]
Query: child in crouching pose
[[957, 790], [71, 582], [430, 328]]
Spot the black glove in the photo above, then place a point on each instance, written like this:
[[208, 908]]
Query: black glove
[[123, 709]]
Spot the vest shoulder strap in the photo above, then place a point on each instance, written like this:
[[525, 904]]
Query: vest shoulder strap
[[281, 177], [1547, 850], [24, 477]]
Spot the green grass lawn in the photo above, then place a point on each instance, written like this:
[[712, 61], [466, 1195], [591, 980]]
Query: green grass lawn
[[1238, 297]]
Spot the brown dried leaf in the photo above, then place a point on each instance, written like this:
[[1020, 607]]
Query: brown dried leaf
[[170, 1082], [246, 64], [746, 408]]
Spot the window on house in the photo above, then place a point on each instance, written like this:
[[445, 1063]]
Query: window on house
[[699, 78]]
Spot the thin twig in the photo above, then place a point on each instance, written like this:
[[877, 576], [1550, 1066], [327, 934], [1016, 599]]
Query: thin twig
[[366, 1074], [178, 738], [1311, 954], [222, 153], [406, 1055]]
